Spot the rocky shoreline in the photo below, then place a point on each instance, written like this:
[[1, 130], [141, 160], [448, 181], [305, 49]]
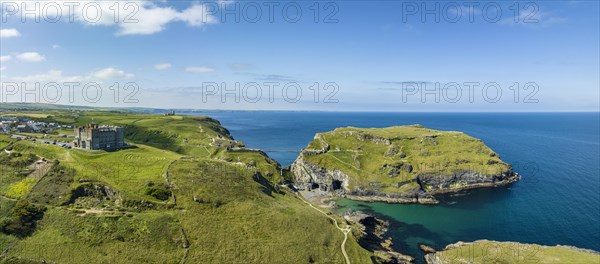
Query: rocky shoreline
[[372, 237], [370, 231], [430, 200], [386, 199], [310, 177]]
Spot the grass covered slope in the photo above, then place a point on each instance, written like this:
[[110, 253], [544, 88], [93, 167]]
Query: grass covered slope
[[232, 216], [197, 136], [398, 164], [485, 251], [223, 214], [184, 192]]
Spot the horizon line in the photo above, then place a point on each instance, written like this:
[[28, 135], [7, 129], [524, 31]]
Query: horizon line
[[288, 110]]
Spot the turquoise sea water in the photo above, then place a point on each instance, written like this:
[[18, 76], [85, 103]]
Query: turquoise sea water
[[558, 155]]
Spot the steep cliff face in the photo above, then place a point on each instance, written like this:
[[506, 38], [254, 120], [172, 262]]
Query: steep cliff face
[[462, 180], [309, 176], [399, 164]]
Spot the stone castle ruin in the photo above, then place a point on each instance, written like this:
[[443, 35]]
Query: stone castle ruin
[[95, 137]]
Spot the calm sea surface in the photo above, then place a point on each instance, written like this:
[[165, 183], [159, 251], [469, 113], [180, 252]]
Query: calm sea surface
[[556, 202]]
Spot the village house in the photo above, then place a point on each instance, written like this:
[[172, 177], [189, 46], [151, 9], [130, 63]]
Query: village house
[[5, 127], [9, 118], [24, 129]]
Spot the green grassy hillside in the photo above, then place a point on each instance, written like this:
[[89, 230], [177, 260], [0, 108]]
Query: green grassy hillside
[[484, 251], [184, 192]]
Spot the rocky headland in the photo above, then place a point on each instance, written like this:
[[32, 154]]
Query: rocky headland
[[404, 164]]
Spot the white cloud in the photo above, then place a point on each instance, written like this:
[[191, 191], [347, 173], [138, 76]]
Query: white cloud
[[110, 74], [9, 33], [162, 66], [58, 77], [528, 18], [55, 46], [202, 69], [135, 17], [5, 58], [152, 19], [30, 56], [2, 68], [50, 76], [196, 15]]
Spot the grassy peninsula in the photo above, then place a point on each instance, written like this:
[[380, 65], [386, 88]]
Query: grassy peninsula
[[398, 164]]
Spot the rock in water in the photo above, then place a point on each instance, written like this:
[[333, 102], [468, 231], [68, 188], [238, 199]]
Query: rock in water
[[426, 248]]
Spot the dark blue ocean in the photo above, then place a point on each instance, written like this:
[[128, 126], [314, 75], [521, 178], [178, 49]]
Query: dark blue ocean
[[556, 202]]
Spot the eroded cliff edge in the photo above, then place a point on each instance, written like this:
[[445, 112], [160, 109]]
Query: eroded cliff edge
[[402, 164]]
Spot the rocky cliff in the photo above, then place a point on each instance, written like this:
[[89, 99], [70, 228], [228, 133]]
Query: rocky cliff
[[406, 164], [372, 235]]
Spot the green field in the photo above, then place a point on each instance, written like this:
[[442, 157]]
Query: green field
[[176, 195], [5, 141]]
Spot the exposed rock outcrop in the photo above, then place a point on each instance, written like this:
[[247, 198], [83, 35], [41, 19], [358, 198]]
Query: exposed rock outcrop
[[463, 180], [372, 237], [309, 176], [426, 248], [94, 193]]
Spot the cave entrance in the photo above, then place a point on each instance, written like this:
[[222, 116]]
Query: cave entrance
[[336, 185], [314, 185]]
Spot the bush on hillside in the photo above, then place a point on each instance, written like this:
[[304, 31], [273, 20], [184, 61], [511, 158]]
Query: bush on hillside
[[158, 191], [22, 220]]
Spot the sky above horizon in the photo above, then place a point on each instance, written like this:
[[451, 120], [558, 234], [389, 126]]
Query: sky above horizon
[[304, 55]]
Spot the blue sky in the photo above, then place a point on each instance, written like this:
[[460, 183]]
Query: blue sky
[[371, 55]]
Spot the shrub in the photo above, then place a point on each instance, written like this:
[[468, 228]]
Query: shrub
[[160, 192], [23, 219]]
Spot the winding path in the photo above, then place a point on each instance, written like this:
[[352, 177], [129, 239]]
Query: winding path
[[344, 230], [166, 177], [186, 241]]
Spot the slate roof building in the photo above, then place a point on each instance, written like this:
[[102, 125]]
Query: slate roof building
[[94, 137]]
